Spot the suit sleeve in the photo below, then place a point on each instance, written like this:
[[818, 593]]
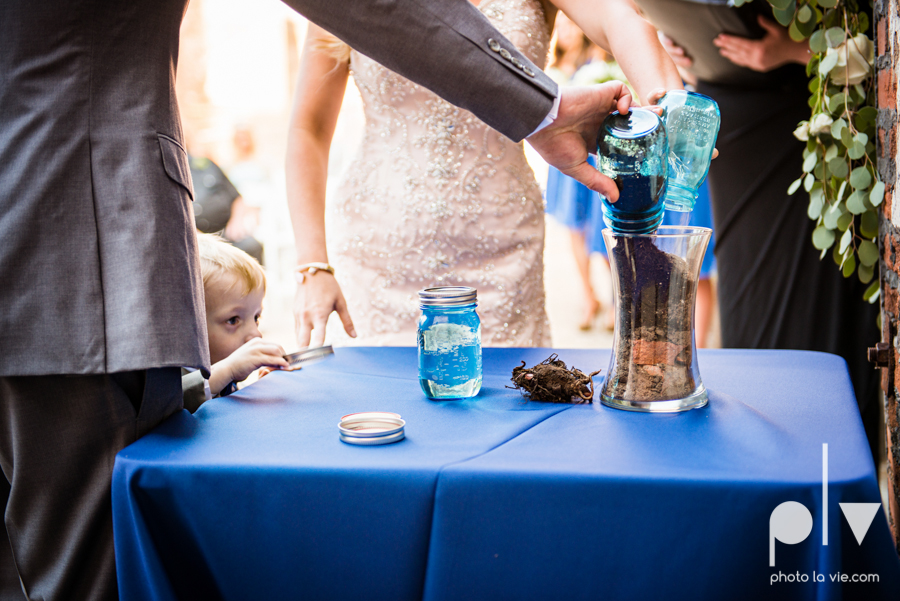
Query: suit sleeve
[[447, 46]]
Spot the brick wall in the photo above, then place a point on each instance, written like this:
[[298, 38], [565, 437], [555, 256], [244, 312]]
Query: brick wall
[[887, 66]]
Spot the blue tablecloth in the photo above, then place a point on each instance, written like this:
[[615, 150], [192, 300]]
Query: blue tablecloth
[[255, 497]]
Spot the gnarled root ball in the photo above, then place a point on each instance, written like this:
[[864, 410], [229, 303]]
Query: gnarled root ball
[[550, 381]]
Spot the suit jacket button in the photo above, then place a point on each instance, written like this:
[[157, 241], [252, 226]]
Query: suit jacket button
[[494, 45], [528, 72], [518, 63], [505, 53]]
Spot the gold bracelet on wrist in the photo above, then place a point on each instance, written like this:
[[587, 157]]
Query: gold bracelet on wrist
[[311, 268]]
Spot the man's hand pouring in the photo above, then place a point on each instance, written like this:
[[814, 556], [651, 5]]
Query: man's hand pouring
[[567, 141]]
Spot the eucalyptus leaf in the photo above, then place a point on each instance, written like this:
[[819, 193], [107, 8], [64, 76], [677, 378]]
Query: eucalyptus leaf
[[831, 215], [877, 194], [871, 293], [856, 204], [785, 16], [861, 138], [827, 64], [849, 264], [810, 162], [819, 171], [813, 85], [827, 3], [865, 273], [808, 182], [811, 67], [846, 137], [834, 37], [806, 28], [840, 194], [844, 221], [836, 103], [837, 127], [816, 202], [860, 178], [868, 252], [794, 31], [868, 224], [838, 168], [868, 114], [845, 241], [837, 257], [804, 14], [780, 4], [822, 237], [795, 185], [857, 151], [817, 45], [860, 90], [831, 152], [863, 21]]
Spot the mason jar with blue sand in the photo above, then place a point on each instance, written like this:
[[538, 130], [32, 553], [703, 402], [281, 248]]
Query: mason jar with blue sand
[[632, 150], [692, 125], [449, 333]]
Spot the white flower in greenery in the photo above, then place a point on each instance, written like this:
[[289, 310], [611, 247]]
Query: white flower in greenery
[[855, 58], [597, 72], [820, 124], [802, 132]]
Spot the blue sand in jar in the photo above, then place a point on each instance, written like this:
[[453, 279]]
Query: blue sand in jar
[[639, 196], [632, 150]]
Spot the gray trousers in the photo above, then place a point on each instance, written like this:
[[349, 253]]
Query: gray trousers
[[58, 439]]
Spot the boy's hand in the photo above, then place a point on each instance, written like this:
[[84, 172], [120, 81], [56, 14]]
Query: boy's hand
[[241, 363]]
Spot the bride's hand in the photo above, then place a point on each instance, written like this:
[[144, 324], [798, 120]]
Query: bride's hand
[[566, 142], [314, 301]]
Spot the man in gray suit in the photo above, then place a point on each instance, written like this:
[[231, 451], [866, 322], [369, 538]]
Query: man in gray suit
[[100, 293]]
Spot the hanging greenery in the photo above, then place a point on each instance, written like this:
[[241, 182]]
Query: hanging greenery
[[839, 168]]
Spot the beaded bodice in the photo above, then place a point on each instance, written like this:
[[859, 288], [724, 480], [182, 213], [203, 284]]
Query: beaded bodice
[[436, 197]]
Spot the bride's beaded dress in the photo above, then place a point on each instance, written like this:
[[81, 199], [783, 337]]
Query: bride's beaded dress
[[435, 197]]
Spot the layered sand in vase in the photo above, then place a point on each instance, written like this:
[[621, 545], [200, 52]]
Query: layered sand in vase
[[654, 315]]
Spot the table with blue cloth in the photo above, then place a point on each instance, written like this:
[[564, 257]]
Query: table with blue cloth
[[498, 497]]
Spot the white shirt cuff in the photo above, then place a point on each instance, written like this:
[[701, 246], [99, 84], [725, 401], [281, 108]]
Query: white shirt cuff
[[551, 116]]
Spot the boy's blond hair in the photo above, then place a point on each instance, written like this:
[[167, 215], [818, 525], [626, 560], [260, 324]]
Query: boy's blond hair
[[218, 257]]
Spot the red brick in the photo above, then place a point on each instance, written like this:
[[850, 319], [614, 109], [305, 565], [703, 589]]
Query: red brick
[[887, 89], [886, 205]]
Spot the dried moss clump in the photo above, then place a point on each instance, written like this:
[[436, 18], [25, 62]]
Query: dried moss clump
[[552, 382]]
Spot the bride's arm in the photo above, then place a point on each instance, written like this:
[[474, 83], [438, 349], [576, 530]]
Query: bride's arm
[[618, 27], [321, 84]]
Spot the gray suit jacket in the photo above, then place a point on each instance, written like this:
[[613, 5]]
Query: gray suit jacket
[[98, 257]]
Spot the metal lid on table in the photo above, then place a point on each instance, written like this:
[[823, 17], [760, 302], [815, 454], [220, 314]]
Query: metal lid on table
[[447, 296], [372, 428]]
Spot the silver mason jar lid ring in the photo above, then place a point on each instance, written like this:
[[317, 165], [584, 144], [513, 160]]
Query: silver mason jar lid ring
[[447, 296]]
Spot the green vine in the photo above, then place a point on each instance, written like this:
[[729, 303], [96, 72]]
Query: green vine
[[839, 168]]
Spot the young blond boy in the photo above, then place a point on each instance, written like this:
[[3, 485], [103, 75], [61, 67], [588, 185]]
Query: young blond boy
[[234, 285]]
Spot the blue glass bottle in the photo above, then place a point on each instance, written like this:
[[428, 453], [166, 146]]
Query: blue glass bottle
[[449, 336], [692, 124], [632, 151]]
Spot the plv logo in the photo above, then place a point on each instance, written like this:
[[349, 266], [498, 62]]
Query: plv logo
[[791, 522]]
